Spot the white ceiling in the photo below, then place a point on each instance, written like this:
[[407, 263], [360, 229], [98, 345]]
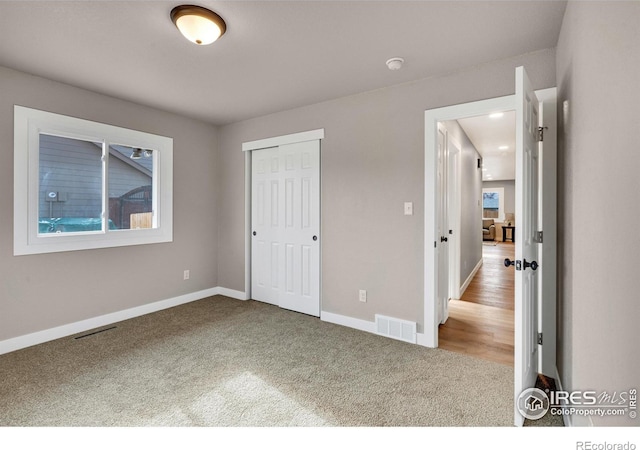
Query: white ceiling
[[489, 134], [276, 55]]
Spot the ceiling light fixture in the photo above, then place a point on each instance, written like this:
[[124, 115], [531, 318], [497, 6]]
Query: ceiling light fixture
[[200, 25], [503, 147], [496, 115], [395, 63]]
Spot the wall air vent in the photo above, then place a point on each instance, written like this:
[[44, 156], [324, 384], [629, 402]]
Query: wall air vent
[[402, 330]]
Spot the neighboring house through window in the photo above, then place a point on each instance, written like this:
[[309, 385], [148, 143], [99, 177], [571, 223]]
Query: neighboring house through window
[[82, 184]]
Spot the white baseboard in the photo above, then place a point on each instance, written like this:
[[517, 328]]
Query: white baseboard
[[362, 325], [466, 283], [567, 419], [238, 295], [422, 340], [39, 337], [358, 324]]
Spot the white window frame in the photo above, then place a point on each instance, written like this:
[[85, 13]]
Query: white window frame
[[28, 125], [500, 191]]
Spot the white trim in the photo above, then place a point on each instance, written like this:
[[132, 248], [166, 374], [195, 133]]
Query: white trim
[[432, 117], [29, 124], [39, 337], [238, 295], [455, 216], [247, 223], [470, 277], [548, 222], [566, 418], [421, 339], [304, 136], [362, 325], [351, 322]]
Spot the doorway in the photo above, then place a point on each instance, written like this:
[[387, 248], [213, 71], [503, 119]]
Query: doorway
[[481, 156], [534, 313]]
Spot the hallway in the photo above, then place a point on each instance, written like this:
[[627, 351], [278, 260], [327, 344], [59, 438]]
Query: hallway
[[481, 323]]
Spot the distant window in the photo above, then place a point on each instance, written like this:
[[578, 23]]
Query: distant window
[[493, 203], [82, 185]]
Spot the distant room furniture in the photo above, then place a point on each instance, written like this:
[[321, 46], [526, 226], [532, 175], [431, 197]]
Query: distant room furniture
[[488, 230], [512, 236]]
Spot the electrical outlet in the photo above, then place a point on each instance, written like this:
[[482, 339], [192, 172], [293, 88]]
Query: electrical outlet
[[186, 274], [362, 295]]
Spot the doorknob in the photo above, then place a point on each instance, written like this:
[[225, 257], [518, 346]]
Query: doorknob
[[532, 264], [508, 262], [254, 233], [315, 238], [443, 239]]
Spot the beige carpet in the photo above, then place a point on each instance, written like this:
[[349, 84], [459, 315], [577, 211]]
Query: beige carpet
[[224, 362]]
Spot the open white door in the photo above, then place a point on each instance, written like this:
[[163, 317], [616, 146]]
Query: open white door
[[527, 241], [454, 191], [443, 227]]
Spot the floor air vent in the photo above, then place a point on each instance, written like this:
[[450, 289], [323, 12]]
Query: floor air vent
[[402, 330]]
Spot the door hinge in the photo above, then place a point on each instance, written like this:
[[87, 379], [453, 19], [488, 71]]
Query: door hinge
[[539, 237], [541, 133], [539, 338]]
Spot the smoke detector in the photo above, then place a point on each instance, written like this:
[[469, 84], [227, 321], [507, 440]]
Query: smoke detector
[[395, 63]]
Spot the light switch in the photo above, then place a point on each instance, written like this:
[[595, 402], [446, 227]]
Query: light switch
[[408, 208]]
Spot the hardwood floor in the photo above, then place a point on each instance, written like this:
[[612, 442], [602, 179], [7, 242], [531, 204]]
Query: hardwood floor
[[481, 323], [494, 283]]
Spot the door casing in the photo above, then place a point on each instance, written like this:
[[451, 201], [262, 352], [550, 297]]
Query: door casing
[[548, 190]]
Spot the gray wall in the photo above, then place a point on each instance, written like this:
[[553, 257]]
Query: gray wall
[[509, 193], [38, 292], [372, 162], [470, 209], [598, 62]]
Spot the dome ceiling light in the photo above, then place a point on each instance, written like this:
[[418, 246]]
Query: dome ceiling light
[[200, 25]]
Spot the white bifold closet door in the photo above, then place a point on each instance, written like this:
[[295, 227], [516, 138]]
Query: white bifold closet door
[[285, 220]]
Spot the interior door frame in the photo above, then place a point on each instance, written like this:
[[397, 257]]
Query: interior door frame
[[247, 148], [548, 186], [455, 212], [431, 197], [443, 256]]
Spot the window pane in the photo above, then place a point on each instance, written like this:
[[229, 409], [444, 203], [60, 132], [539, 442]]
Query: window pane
[[131, 187], [70, 185], [490, 205]]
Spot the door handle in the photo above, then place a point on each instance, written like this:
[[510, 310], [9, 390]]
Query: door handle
[[517, 263], [508, 262], [443, 239], [532, 264], [315, 238]]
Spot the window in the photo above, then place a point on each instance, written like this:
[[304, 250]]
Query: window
[[493, 204], [80, 184]]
